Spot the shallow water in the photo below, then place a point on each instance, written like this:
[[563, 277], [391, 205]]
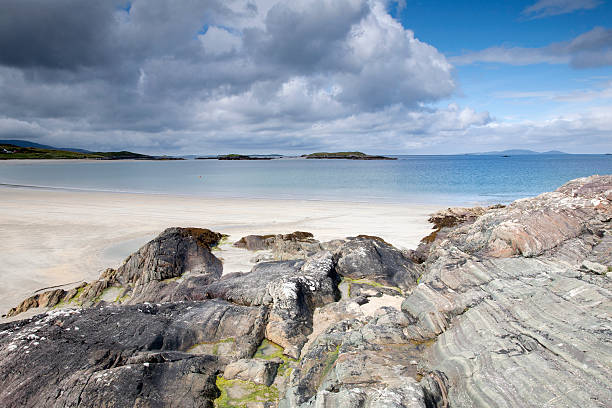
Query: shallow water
[[459, 180]]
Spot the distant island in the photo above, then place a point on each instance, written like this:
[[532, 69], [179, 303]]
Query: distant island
[[21, 149], [346, 155], [238, 157], [514, 152]]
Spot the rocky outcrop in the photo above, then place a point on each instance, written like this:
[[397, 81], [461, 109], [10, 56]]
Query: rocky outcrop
[[515, 317], [359, 361], [296, 245], [150, 274], [506, 307], [292, 290], [444, 221], [529, 227], [121, 355]]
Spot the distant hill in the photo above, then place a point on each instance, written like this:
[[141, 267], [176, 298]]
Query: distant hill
[[25, 143], [30, 150], [515, 152]]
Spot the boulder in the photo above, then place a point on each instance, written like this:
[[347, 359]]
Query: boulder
[[296, 245], [376, 261], [123, 355], [149, 274]]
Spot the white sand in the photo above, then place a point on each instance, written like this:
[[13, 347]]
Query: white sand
[[52, 237]]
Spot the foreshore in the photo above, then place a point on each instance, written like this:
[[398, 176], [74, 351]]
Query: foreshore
[[55, 237]]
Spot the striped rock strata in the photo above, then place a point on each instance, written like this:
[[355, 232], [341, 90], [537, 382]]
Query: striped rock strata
[[516, 317]]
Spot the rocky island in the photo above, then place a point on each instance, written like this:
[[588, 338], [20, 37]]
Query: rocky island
[[238, 157], [242, 157], [346, 155], [502, 306]]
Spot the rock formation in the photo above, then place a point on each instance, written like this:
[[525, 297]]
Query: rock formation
[[501, 306]]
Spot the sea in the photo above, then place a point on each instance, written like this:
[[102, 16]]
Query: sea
[[446, 180]]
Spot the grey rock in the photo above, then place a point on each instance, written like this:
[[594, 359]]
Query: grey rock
[[255, 370], [122, 355], [513, 319], [296, 245], [444, 221], [594, 267], [358, 361], [292, 289], [148, 275], [530, 227], [375, 260], [498, 311]]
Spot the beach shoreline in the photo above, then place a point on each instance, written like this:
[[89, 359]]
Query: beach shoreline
[[53, 237]]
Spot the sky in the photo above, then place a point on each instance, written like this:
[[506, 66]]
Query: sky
[[263, 76]]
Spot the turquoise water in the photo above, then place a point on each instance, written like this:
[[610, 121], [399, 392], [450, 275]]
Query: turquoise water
[[453, 180]]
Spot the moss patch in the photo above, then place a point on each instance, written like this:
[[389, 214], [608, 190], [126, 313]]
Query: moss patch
[[239, 393], [224, 240], [329, 363], [268, 350], [107, 294], [74, 300], [77, 296], [120, 298]]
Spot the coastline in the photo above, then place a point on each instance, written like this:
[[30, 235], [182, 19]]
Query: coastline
[[55, 236]]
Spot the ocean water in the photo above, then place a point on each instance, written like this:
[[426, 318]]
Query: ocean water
[[451, 180]]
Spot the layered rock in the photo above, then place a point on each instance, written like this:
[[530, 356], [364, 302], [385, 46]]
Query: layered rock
[[502, 307], [444, 221], [515, 317]]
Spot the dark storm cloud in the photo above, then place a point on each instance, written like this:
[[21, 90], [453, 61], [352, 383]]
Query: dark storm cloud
[[198, 75], [308, 38], [58, 34]]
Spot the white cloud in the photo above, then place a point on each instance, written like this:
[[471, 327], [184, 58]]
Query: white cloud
[[266, 76], [601, 93], [591, 49], [546, 8], [219, 41]]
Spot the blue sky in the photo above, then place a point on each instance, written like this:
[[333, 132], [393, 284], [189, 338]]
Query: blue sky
[[270, 76], [456, 28]]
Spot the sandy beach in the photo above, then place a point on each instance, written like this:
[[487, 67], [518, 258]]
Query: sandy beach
[[55, 237]]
